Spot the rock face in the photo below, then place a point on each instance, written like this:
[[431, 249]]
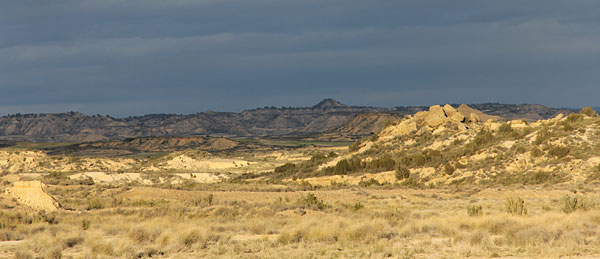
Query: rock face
[[475, 115], [437, 116], [32, 194], [433, 121], [453, 114]]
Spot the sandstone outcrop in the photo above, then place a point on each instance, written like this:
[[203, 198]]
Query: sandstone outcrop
[[437, 116], [32, 194], [474, 114]]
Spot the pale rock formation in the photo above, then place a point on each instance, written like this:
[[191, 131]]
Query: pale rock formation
[[432, 118], [467, 111], [474, 118], [453, 114], [32, 194]]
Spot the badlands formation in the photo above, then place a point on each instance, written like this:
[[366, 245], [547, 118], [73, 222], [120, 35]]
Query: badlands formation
[[444, 146], [442, 183]]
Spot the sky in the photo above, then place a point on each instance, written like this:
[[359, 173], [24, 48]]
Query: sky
[[134, 57]]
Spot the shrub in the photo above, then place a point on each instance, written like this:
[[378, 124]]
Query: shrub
[[505, 129], [574, 117], [191, 237], [374, 138], [357, 206], [483, 138], [540, 177], [475, 210], [311, 201], [558, 151], [402, 173], [385, 163], [54, 253], [318, 157], [389, 123], [85, 224], [94, 204], [23, 255], [536, 152], [346, 166], [595, 174], [354, 147], [210, 199], [368, 183], [72, 241], [449, 169], [589, 111], [571, 204], [140, 235], [515, 206], [287, 167], [342, 167], [541, 136]]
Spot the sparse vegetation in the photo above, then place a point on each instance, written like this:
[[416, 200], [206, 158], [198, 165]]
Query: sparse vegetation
[[572, 203], [475, 210], [311, 201], [326, 202], [515, 206], [589, 111], [402, 173], [558, 151]]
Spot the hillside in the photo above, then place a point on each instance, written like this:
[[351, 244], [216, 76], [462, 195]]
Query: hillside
[[326, 116], [443, 147], [154, 144], [368, 124], [530, 112]]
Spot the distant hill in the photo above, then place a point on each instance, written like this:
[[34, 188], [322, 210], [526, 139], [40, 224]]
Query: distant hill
[[326, 116], [6, 143], [530, 112], [368, 123], [155, 144]]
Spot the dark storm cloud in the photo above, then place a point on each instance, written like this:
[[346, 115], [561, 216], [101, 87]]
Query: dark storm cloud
[[144, 56]]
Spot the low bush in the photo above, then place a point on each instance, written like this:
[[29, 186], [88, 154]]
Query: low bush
[[311, 201], [515, 206], [536, 152], [589, 111], [558, 151], [571, 204], [475, 210], [354, 147], [449, 169], [595, 174], [542, 136], [402, 173], [287, 167]]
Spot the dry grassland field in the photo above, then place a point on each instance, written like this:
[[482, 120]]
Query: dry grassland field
[[438, 184]]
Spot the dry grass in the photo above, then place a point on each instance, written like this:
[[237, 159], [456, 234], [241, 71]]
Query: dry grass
[[352, 223]]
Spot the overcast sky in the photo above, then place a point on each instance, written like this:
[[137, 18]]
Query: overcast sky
[[131, 57]]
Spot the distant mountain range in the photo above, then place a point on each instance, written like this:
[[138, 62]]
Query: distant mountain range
[[326, 116]]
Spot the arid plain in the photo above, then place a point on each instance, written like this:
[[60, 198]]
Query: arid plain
[[447, 182]]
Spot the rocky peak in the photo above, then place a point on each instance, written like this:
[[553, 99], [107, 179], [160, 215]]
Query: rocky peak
[[329, 103]]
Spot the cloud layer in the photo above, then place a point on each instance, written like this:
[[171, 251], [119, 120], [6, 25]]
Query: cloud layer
[[182, 56]]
